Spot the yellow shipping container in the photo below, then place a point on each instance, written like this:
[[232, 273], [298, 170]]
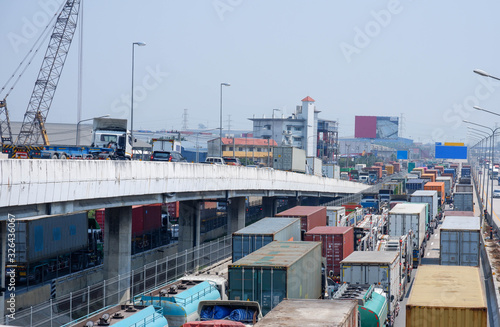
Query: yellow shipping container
[[454, 144], [390, 169], [447, 296]]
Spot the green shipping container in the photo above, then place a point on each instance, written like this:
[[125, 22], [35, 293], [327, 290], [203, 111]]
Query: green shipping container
[[277, 271], [411, 166]]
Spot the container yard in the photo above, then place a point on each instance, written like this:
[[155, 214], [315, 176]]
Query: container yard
[[337, 244], [262, 232], [447, 296], [312, 313], [277, 271], [460, 239]]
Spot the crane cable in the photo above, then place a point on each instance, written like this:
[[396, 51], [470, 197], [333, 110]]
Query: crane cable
[[40, 41]]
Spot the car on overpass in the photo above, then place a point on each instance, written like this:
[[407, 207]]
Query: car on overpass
[[170, 156]]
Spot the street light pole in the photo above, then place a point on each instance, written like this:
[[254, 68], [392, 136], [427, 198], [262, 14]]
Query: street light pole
[[78, 127], [493, 131], [484, 139], [220, 123], [141, 44]]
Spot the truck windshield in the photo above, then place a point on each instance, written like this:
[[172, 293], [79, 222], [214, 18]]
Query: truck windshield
[[108, 138]]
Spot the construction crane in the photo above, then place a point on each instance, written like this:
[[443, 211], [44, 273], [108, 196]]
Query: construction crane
[[32, 128]]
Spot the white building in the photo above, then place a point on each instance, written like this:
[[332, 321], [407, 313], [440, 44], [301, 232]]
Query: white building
[[298, 130]]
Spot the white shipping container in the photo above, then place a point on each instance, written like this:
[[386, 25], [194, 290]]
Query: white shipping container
[[373, 267], [314, 166], [463, 188], [460, 241], [448, 184], [334, 215], [290, 159], [463, 201], [430, 197], [408, 216]]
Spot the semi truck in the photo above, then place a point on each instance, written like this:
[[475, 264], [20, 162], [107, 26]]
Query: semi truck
[[50, 245], [110, 140]]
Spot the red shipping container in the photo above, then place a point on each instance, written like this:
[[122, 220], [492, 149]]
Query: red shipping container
[[152, 217], [137, 220], [337, 244], [99, 217], [310, 216], [173, 209]]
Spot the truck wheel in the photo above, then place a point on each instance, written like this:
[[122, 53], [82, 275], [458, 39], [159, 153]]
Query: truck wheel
[[54, 156], [62, 156]]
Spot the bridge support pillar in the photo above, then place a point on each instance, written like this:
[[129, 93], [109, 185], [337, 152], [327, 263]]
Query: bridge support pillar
[[269, 206], [117, 251], [236, 211], [189, 224]]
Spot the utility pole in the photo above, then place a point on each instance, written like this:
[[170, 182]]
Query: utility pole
[[185, 120]]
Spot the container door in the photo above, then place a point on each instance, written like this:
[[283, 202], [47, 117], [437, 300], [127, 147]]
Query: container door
[[469, 249], [271, 288], [241, 286], [449, 248]]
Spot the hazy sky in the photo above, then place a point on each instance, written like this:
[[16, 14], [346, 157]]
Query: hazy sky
[[383, 58]]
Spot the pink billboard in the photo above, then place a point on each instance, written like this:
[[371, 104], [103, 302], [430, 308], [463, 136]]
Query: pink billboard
[[365, 127]]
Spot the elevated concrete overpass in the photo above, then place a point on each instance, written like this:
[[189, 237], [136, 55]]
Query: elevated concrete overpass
[[40, 187], [48, 187]]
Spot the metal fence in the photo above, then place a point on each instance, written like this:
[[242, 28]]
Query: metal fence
[[110, 292]]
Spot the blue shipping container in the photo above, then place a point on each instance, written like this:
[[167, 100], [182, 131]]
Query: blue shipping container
[[263, 232], [415, 184]]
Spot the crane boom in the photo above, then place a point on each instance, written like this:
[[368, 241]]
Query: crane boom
[[5, 130], [48, 77]]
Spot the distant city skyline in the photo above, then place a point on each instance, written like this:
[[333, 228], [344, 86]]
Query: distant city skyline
[[382, 58]]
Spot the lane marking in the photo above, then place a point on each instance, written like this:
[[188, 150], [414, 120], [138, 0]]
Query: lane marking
[[432, 243]]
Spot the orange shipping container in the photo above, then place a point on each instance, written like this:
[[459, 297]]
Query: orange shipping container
[[432, 171], [436, 186], [428, 176]]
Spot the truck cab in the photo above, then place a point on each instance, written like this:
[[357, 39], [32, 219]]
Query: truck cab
[[112, 133]]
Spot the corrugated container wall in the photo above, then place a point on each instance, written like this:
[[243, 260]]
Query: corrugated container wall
[[44, 237], [312, 313], [411, 166], [463, 201], [429, 197], [431, 177], [464, 188], [310, 216], [439, 188], [263, 232], [277, 271], [447, 296], [460, 241], [448, 184], [152, 217], [413, 185], [408, 216], [337, 244]]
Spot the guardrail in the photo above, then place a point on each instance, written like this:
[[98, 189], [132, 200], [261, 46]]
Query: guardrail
[[63, 310]]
